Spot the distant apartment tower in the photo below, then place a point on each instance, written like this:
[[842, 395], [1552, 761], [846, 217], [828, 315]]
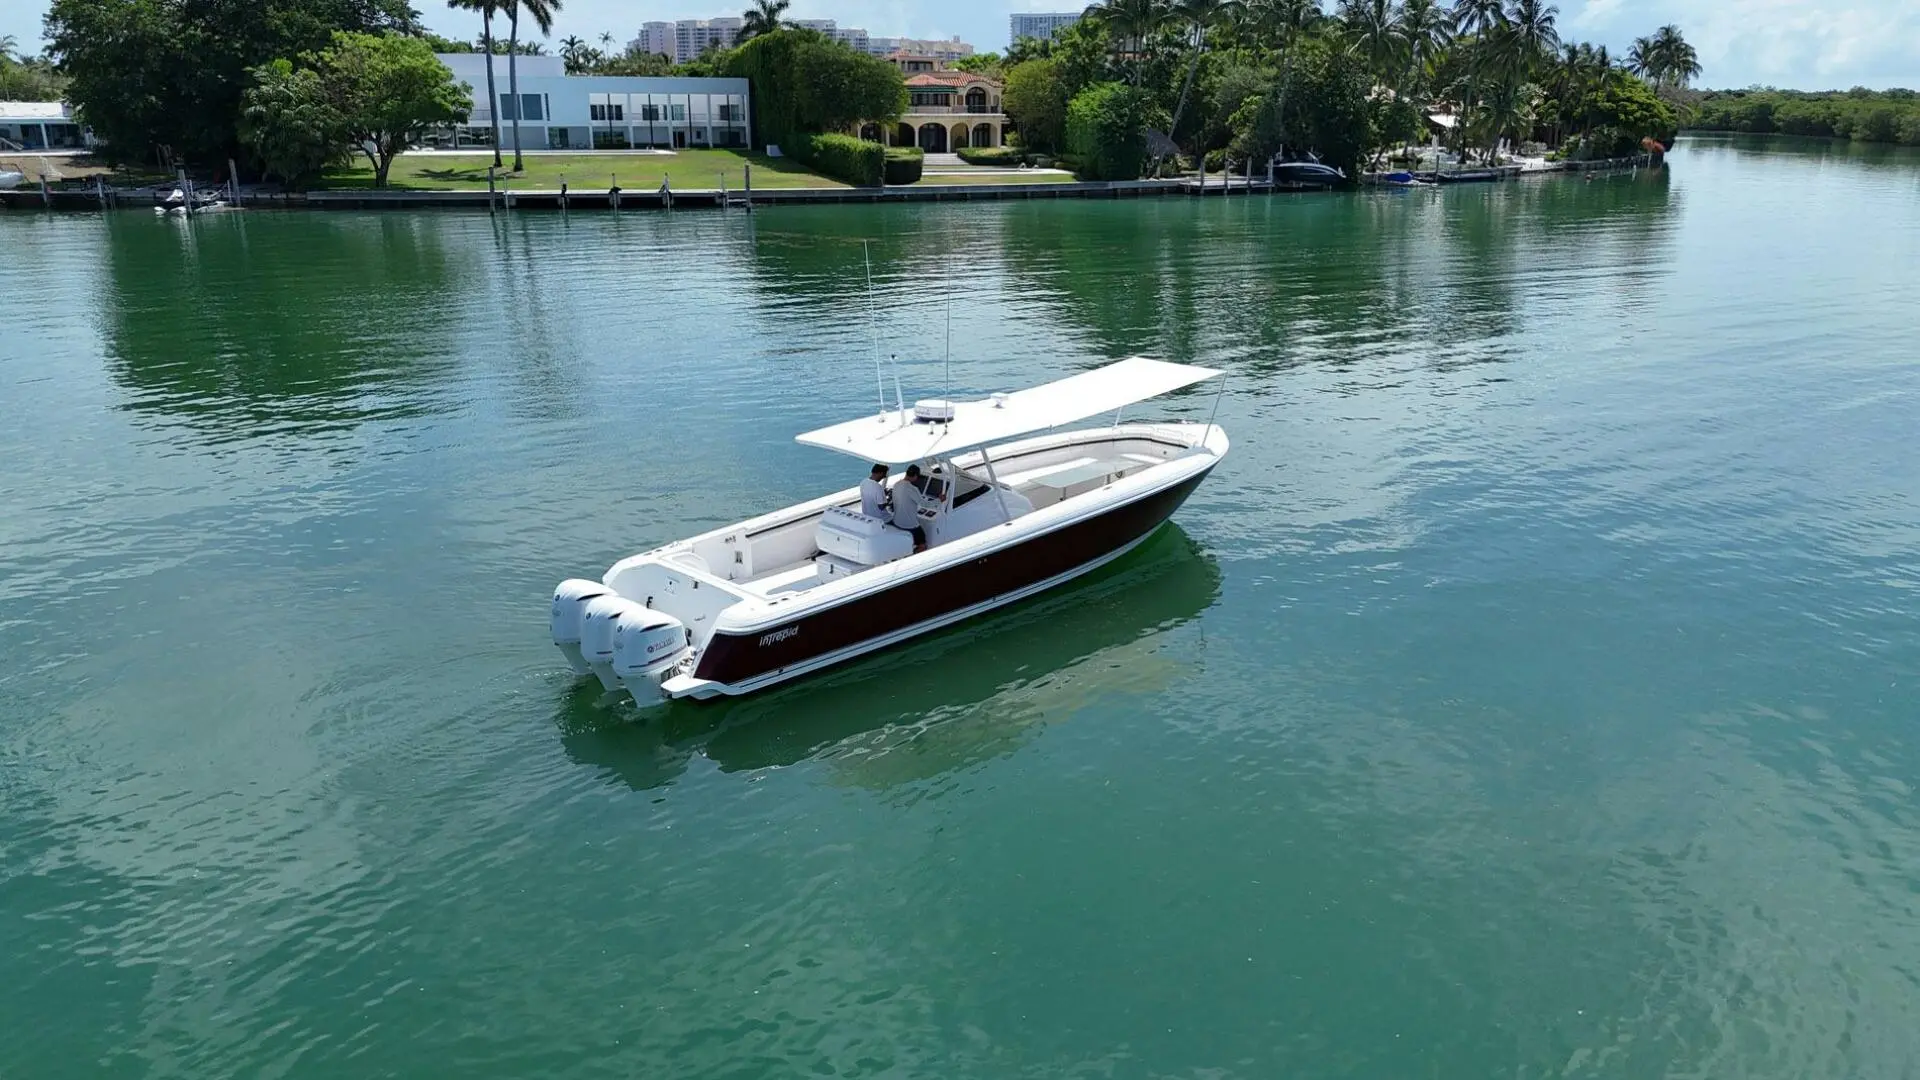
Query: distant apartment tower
[[852, 37], [691, 37], [949, 50], [688, 38], [1039, 24], [655, 37]]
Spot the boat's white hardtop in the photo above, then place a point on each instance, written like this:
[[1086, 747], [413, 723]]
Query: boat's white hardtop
[[895, 438]]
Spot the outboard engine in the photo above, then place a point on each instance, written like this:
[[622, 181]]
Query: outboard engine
[[569, 613], [596, 634], [648, 646]]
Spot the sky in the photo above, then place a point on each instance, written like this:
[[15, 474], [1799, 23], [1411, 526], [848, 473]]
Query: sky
[[1802, 44]]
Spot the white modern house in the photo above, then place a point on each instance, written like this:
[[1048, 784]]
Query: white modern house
[[558, 111], [41, 125]]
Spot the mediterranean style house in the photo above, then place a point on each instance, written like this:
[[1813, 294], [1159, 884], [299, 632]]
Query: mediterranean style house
[[946, 110]]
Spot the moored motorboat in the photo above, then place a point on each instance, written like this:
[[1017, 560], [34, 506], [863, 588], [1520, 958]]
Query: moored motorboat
[[1305, 174], [1010, 506]]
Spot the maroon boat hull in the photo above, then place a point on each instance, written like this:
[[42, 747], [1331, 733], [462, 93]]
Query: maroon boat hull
[[734, 659]]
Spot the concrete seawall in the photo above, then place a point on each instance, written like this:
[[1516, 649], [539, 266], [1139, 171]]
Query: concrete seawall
[[700, 198]]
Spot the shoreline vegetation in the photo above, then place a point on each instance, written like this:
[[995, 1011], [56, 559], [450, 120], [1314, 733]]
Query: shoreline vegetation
[[1858, 115], [311, 94]]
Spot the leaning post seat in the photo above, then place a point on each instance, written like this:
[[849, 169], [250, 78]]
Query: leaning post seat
[[857, 538]]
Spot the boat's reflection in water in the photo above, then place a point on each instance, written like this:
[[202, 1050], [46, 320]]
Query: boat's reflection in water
[[943, 702]]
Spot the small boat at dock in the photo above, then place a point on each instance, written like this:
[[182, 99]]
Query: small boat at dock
[[1009, 506], [1304, 174]]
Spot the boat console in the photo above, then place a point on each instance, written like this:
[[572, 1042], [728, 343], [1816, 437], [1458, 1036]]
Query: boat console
[[857, 538]]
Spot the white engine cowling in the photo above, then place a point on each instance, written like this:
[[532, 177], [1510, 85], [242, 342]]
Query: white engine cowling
[[597, 625], [569, 615], [647, 646]]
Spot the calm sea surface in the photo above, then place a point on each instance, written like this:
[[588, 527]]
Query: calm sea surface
[[1534, 691]]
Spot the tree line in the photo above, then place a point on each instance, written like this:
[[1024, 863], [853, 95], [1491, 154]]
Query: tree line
[[27, 78], [1247, 79], [1860, 114]]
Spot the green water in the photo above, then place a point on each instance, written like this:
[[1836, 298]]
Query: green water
[[1531, 692]]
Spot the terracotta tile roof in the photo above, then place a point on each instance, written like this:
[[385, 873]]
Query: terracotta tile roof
[[945, 78]]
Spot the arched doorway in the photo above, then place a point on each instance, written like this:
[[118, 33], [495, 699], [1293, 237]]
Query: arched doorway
[[976, 100], [983, 134], [903, 135], [871, 133], [959, 140], [933, 138]]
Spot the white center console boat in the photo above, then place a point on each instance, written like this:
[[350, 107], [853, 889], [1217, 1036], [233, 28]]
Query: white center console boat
[[1009, 507]]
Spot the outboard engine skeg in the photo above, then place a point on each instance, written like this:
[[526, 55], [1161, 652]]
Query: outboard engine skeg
[[596, 634], [648, 646], [569, 613]]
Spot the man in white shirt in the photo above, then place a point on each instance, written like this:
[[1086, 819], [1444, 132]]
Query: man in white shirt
[[873, 493], [906, 501]]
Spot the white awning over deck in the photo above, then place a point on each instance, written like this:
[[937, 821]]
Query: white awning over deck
[[895, 438]]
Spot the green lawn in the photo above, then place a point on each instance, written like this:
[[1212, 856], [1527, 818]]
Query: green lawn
[[634, 172], [544, 172]]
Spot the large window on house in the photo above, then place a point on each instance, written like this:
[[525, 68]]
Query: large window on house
[[604, 113], [930, 97], [533, 107]]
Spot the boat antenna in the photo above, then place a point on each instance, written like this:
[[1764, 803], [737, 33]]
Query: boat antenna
[[873, 325], [899, 400], [946, 392], [1222, 392]]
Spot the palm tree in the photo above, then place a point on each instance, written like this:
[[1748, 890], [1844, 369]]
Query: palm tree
[[487, 9], [541, 12], [574, 51], [1281, 24], [1643, 59], [764, 17], [1428, 32], [1483, 20], [1532, 35], [1130, 23], [1201, 16], [1675, 61], [1376, 34]]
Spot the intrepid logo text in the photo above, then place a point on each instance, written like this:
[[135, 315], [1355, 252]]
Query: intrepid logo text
[[779, 635]]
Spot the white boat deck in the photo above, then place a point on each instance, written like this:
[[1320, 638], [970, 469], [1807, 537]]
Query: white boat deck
[[1044, 485]]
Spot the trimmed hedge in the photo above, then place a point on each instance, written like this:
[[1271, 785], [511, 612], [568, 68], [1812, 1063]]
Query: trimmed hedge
[[904, 164], [845, 158], [992, 155]]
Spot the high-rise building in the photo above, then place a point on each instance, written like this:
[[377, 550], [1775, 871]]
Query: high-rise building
[[691, 37], [852, 37], [655, 37], [949, 49], [1039, 24], [688, 38]]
